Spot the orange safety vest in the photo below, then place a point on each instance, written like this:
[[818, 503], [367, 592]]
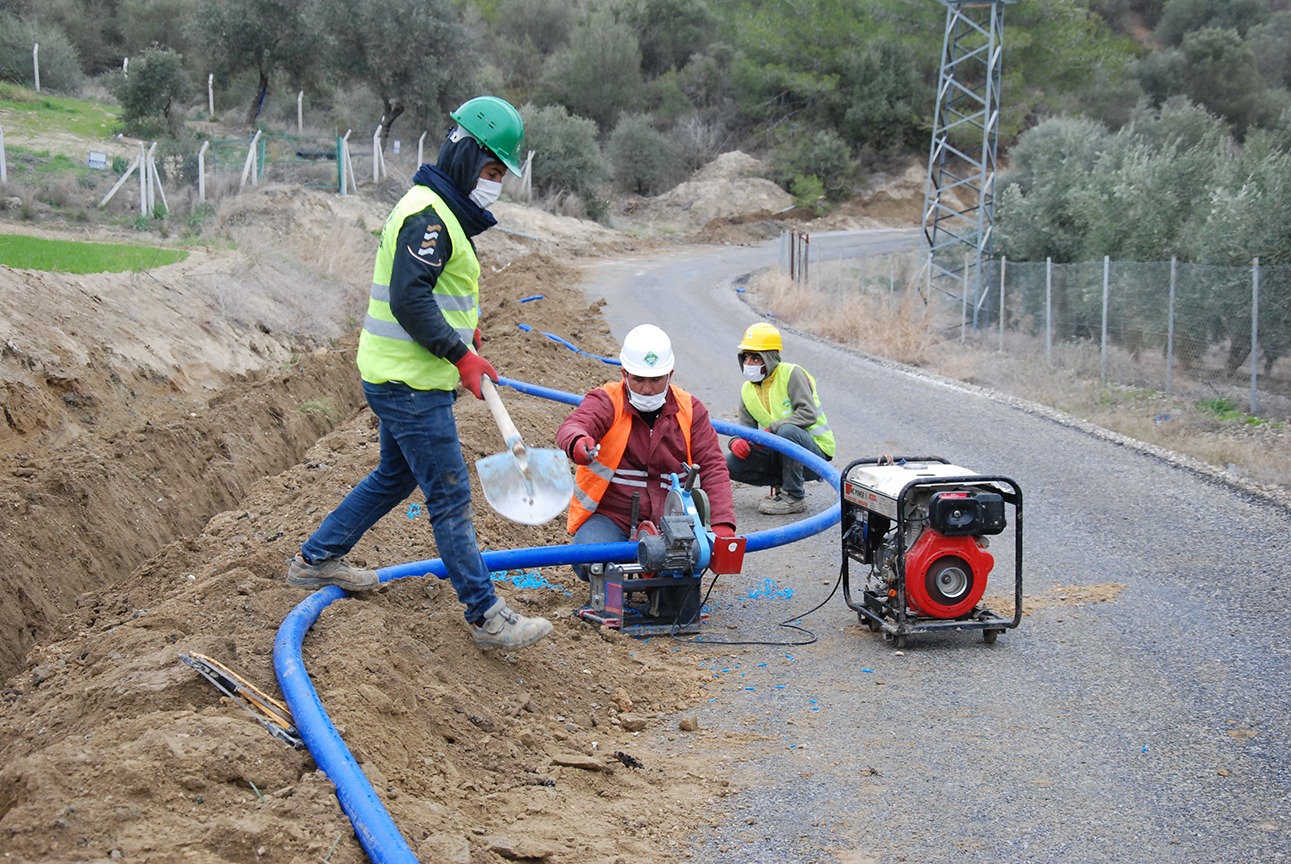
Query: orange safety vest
[[591, 481]]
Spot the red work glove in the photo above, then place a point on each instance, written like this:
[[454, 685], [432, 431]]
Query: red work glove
[[584, 450], [473, 368], [721, 529], [478, 341], [740, 448]]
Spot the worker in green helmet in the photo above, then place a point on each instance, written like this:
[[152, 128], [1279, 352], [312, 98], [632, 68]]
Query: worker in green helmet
[[416, 347]]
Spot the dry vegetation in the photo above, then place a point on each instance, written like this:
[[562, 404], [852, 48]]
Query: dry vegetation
[[883, 311]]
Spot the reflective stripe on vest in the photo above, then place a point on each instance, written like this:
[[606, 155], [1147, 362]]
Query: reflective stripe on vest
[[591, 481], [386, 351], [781, 407]]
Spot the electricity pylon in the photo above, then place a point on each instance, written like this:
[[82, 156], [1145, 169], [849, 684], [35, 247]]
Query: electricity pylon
[[959, 202]]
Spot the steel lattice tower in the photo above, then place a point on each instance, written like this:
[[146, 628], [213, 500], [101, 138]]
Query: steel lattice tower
[[959, 202]]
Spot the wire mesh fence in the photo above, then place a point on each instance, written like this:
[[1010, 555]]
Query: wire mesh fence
[[1206, 333]]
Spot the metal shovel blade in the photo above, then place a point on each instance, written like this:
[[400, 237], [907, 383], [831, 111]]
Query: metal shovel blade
[[531, 493], [526, 486]]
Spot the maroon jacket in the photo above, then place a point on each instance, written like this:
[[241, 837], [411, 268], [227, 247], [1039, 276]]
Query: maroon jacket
[[656, 451]]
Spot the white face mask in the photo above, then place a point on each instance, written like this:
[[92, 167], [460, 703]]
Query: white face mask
[[755, 372], [486, 192], [647, 403]]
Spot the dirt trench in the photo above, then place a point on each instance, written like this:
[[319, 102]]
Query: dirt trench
[[81, 515]]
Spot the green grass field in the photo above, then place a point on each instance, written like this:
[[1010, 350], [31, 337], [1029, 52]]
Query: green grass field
[[69, 256], [39, 112]]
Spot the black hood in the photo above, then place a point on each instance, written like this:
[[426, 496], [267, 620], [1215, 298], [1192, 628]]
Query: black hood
[[463, 160]]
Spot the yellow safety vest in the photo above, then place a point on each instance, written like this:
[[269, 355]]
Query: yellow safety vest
[[386, 351], [778, 405]]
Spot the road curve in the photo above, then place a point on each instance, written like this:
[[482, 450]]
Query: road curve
[[1142, 710]]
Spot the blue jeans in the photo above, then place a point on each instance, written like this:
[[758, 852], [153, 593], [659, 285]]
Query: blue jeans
[[597, 529], [766, 467], [419, 448]]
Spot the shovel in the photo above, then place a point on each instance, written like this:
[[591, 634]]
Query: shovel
[[526, 486]]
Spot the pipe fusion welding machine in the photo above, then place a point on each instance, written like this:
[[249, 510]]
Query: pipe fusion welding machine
[[659, 593]]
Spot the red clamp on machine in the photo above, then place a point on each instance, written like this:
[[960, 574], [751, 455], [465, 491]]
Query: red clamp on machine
[[659, 593], [923, 527]]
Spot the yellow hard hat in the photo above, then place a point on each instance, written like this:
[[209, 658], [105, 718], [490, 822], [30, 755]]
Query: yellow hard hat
[[761, 337]]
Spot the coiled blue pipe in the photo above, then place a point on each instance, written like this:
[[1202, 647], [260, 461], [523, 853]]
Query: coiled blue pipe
[[376, 831]]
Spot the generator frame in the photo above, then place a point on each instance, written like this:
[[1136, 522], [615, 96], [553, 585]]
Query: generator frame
[[891, 616]]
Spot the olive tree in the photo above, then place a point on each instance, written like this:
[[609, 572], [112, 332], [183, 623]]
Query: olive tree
[[415, 55], [260, 36]]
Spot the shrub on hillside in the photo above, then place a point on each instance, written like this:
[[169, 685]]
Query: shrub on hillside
[[823, 155], [153, 95], [644, 160], [567, 157], [60, 66]]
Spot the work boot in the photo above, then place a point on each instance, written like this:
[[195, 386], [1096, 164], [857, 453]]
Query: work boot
[[503, 627], [333, 571], [782, 505]]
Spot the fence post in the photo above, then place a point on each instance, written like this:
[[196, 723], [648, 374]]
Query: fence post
[[1169, 339], [1255, 335], [1048, 311], [250, 161], [300, 113], [4, 164], [210, 97], [376, 155], [122, 179], [349, 164], [154, 184], [1102, 358], [201, 171], [1004, 263], [421, 149], [35, 63], [143, 180]]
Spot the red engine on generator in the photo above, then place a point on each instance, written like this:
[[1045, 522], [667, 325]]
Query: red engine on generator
[[923, 525]]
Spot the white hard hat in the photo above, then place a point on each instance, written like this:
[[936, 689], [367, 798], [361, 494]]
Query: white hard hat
[[647, 352]]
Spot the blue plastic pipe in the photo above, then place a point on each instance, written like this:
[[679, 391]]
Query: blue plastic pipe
[[376, 831]]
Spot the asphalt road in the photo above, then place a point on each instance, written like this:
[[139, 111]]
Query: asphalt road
[[1154, 725]]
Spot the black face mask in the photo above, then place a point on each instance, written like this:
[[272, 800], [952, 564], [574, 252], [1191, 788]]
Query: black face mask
[[463, 160]]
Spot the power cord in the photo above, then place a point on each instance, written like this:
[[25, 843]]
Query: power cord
[[787, 623]]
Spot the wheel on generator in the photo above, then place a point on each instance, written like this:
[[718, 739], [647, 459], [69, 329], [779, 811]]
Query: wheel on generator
[[870, 624], [989, 636]]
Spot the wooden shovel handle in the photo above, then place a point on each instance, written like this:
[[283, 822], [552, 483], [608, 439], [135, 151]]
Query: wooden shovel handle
[[500, 416]]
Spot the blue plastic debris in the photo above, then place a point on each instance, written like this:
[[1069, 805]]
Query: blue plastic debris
[[531, 297], [414, 510], [768, 589], [527, 579]]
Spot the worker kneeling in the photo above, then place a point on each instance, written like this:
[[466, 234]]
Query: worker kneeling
[[629, 438], [779, 398]]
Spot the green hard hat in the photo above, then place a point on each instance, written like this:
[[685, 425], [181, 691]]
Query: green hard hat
[[496, 124]]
